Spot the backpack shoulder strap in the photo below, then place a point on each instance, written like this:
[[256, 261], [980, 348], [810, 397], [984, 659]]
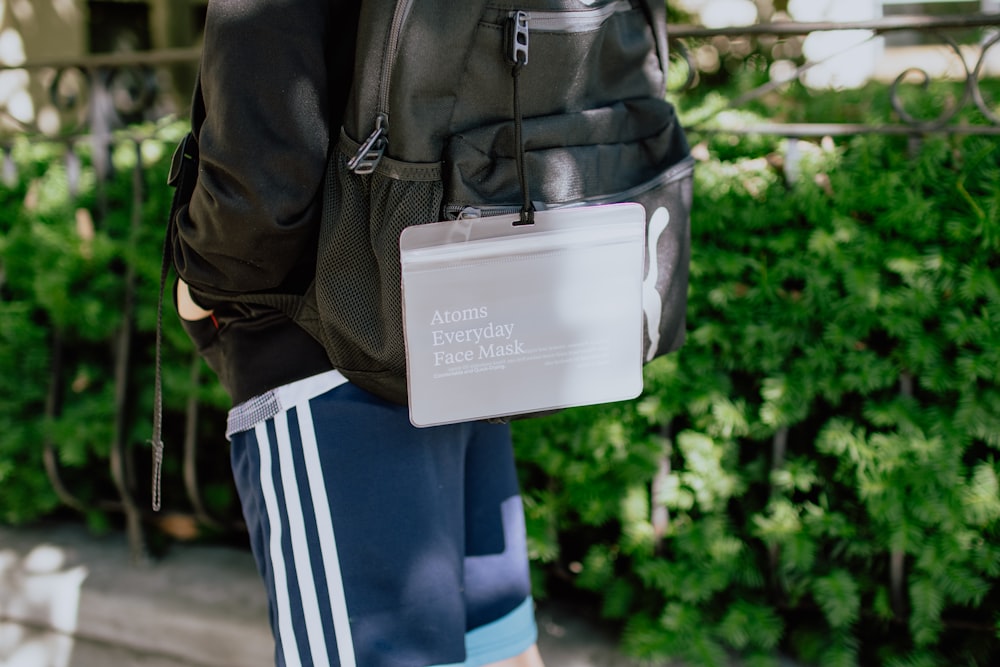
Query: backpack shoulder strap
[[656, 14]]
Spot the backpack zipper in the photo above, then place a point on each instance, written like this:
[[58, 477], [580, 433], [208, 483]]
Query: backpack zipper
[[462, 212], [676, 172], [372, 149], [576, 20]]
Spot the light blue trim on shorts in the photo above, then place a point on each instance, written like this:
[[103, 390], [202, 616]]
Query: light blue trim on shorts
[[504, 638]]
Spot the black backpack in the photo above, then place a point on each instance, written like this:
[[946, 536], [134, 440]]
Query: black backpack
[[475, 108]]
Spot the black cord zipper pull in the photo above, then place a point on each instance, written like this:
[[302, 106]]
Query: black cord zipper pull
[[517, 54]]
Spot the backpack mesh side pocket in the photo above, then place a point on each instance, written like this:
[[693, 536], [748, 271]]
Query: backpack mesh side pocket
[[357, 288]]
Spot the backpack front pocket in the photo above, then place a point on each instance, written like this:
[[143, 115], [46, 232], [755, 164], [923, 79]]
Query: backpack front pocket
[[632, 151], [568, 157]]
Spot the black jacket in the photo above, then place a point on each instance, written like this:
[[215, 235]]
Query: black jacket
[[274, 79]]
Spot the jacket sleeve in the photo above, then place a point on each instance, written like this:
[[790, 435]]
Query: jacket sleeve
[[267, 76]]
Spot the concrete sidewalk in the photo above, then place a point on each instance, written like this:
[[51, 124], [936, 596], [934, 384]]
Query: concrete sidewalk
[[70, 599]]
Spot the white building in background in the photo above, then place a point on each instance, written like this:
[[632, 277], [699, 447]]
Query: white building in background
[[849, 58], [37, 32], [34, 31], [845, 58]]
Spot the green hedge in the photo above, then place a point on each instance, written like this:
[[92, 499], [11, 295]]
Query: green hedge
[[70, 246], [815, 472]]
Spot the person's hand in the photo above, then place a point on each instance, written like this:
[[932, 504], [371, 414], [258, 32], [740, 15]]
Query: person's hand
[[186, 307]]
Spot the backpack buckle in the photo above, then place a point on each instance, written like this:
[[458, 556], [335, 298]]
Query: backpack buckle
[[370, 152]]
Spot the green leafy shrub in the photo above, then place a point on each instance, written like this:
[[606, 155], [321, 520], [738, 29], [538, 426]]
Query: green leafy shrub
[[817, 469], [80, 258], [815, 472]]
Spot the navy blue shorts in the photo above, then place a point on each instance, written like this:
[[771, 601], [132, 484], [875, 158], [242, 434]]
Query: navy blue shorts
[[381, 544]]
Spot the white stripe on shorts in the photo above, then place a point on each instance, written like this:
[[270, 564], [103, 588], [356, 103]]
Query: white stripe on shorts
[[300, 544], [288, 646], [305, 582], [328, 541]]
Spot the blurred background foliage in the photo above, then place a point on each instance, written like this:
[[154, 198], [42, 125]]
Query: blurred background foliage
[[815, 473], [817, 468]]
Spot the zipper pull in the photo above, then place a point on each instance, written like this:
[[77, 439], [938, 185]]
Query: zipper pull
[[370, 152], [517, 38], [469, 213]]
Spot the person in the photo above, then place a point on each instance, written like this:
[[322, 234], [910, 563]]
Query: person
[[380, 544]]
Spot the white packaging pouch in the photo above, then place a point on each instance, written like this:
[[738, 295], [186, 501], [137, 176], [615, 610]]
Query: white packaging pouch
[[503, 319]]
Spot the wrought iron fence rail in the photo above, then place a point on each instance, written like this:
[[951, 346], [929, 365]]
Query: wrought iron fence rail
[[882, 25], [159, 57], [968, 75], [819, 130]]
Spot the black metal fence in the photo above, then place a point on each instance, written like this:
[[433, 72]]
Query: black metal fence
[[970, 65], [97, 99]]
